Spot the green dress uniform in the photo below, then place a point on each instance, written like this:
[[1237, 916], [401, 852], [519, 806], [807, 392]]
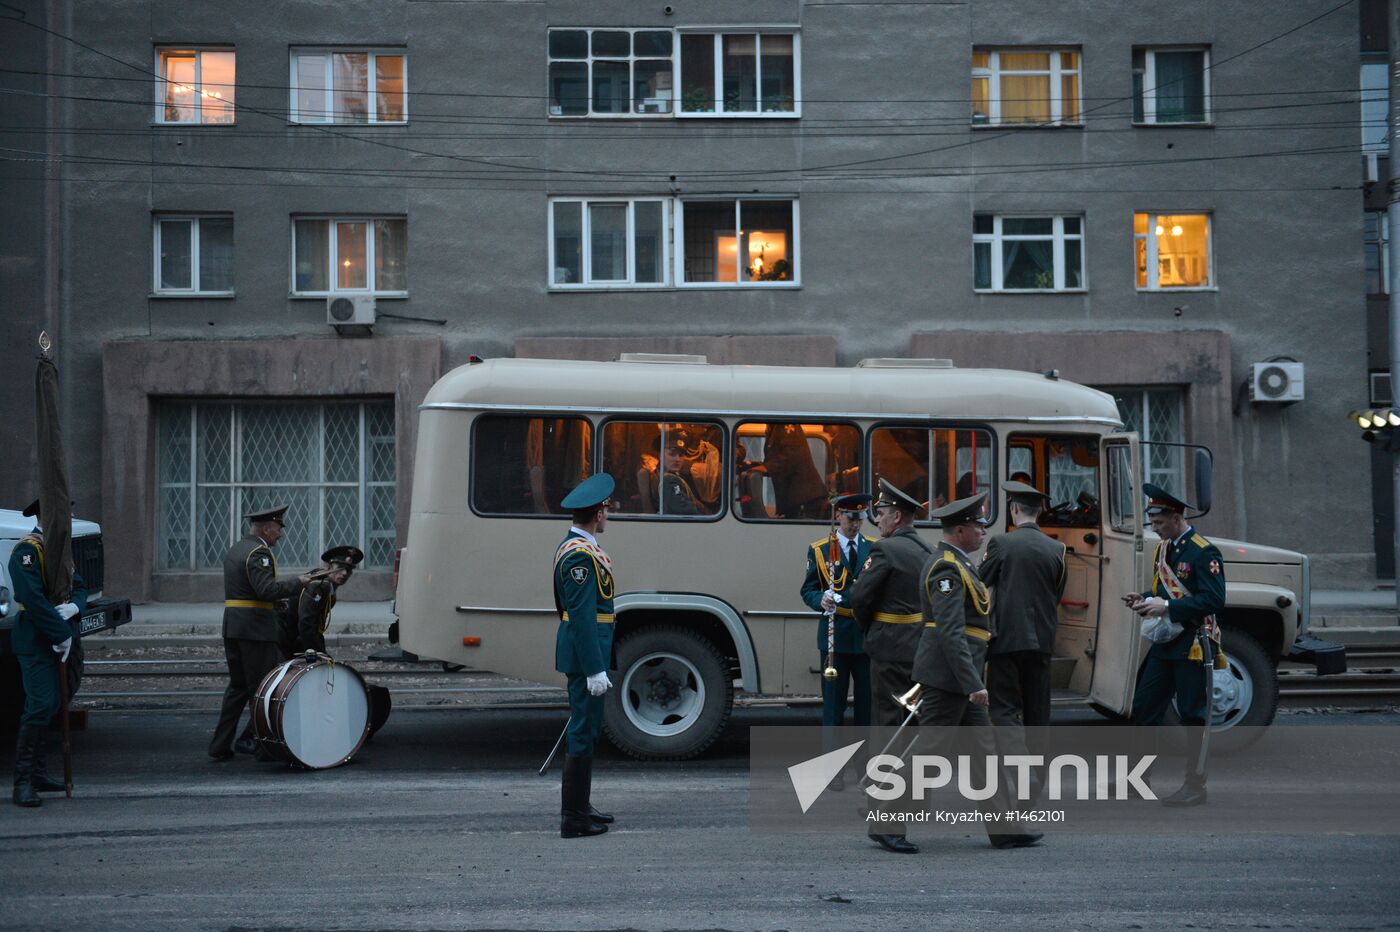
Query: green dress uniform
[[38, 628], [583, 586], [250, 631], [1026, 567], [954, 636], [885, 602], [583, 596], [313, 616], [848, 657]]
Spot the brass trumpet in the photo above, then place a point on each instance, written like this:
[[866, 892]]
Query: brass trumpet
[[909, 700], [830, 671]]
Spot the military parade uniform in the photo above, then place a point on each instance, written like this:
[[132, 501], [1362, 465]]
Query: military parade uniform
[[954, 635], [583, 595], [885, 603], [250, 629], [310, 614], [1026, 567], [39, 629], [1189, 573], [848, 655]]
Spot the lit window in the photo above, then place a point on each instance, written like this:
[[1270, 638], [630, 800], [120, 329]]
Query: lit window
[[783, 470], [195, 86], [193, 255], [674, 470], [345, 254], [739, 242], [609, 242], [1172, 250], [1025, 86], [739, 73], [610, 72], [348, 86], [1171, 85], [933, 465], [1027, 253]]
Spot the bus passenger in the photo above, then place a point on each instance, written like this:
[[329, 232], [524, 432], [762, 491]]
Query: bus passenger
[[826, 581], [885, 602], [583, 596], [677, 496]]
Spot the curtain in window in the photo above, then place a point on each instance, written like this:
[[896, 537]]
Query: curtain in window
[[1028, 264], [1180, 87]]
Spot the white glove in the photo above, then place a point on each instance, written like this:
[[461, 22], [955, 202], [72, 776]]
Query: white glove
[[62, 647], [598, 683], [66, 610], [829, 600]]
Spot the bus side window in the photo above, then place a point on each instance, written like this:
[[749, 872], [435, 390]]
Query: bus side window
[[670, 469], [934, 465], [526, 465], [786, 470]]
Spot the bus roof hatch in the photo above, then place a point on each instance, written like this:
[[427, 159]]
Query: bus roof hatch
[[895, 362]]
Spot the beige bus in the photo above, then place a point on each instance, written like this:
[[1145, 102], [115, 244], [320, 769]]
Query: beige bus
[[723, 475]]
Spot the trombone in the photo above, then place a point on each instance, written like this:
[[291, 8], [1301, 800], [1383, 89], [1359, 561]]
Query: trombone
[[911, 701]]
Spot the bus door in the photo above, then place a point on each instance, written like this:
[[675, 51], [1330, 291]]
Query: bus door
[[1117, 643]]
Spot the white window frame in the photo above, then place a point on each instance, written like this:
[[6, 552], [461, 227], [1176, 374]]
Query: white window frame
[[330, 117], [993, 73], [630, 283], [1149, 84], [718, 34], [162, 82], [333, 244], [631, 60], [1153, 218], [1382, 243], [679, 236], [1057, 236], [195, 276]]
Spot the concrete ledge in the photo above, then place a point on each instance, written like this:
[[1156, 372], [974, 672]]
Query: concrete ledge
[[1374, 620], [1359, 636], [99, 643]]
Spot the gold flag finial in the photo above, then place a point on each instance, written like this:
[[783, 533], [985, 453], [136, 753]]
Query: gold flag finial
[[45, 344]]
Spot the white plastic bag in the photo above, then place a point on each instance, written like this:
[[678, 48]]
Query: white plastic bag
[[1160, 629]]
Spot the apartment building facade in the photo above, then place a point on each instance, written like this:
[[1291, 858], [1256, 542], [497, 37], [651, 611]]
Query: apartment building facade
[[1149, 203]]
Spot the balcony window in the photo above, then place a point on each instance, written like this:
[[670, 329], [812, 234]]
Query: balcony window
[[739, 74], [610, 72], [739, 242]]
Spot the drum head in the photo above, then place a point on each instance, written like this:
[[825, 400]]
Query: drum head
[[325, 715]]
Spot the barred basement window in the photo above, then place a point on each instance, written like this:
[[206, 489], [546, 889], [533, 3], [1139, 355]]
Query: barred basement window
[[1155, 414], [332, 462]]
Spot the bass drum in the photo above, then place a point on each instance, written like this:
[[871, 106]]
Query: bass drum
[[312, 712]]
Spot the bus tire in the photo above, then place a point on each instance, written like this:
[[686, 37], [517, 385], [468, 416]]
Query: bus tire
[[672, 696], [1245, 693]]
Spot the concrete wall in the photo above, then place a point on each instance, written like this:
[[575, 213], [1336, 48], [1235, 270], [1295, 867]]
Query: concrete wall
[[886, 249]]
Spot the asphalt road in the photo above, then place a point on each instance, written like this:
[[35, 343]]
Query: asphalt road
[[442, 823]]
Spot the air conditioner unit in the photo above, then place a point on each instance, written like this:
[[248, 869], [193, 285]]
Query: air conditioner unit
[[350, 310], [1276, 382]]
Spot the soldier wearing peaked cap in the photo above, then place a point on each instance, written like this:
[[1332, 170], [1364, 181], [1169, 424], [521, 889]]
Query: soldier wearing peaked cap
[[583, 595], [309, 615], [43, 633], [833, 563], [1188, 587], [1026, 570], [885, 603], [251, 588], [955, 631]]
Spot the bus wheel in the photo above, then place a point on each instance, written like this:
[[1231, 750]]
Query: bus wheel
[[673, 695], [1245, 693]]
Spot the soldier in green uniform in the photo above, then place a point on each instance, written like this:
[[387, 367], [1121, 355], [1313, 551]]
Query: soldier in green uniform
[[956, 630], [1026, 570], [251, 587], [43, 634], [310, 613], [833, 563], [885, 603], [1188, 587], [583, 595]]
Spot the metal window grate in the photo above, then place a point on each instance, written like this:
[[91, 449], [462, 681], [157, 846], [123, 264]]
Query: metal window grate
[[1156, 414], [333, 463]]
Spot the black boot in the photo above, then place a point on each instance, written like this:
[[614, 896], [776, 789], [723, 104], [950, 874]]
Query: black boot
[[40, 779], [573, 795], [25, 746], [599, 818], [1193, 791]]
